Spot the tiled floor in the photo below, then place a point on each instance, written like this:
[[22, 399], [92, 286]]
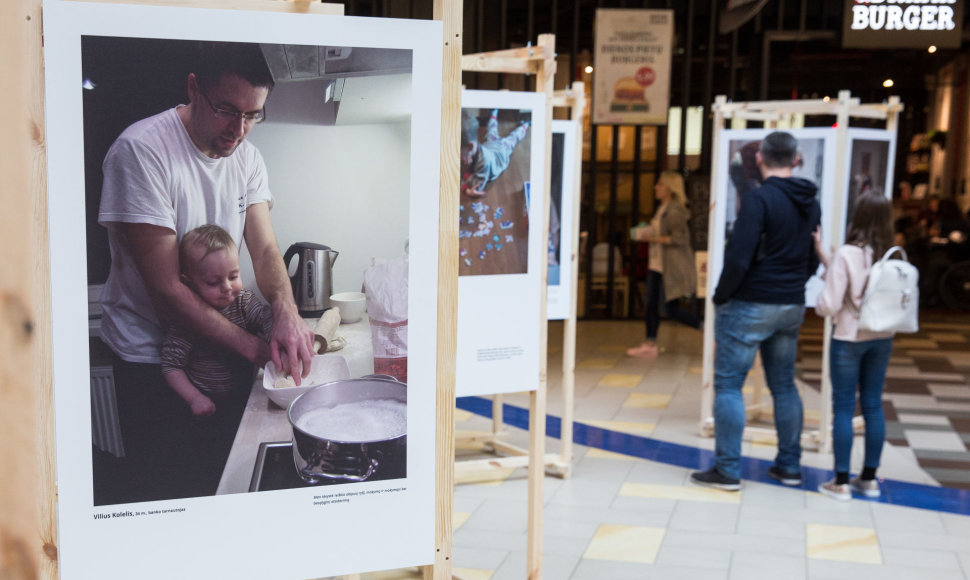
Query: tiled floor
[[629, 511]]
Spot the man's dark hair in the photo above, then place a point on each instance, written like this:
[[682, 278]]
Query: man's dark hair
[[241, 58], [779, 149]]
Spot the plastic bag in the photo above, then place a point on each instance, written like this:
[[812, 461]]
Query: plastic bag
[[386, 288]]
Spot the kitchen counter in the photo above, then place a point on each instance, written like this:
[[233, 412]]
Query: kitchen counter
[[263, 421]]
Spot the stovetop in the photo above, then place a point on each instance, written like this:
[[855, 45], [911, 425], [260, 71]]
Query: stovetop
[[275, 470]]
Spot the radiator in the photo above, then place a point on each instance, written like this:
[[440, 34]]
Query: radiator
[[105, 429]]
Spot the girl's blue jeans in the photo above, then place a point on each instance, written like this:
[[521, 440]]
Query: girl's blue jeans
[[858, 366]]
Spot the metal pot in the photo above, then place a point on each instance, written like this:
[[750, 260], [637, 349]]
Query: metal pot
[[319, 456]]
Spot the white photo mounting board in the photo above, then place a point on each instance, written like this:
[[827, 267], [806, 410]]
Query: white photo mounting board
[[736, 172], [563, 192], [872, 161], [500, 243], [287, 533]]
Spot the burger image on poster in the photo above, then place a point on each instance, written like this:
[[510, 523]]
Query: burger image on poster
[[629, 95]]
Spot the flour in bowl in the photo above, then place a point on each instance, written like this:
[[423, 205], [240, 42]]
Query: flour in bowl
[[374, 420]]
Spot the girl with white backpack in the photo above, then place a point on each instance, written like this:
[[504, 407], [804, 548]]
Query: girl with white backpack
[[858, 357]]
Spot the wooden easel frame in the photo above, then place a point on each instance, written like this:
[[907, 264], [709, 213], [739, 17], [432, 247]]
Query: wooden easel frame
[[558, 464], [28, 500], [770, 113], [539, 60], [575, 99]]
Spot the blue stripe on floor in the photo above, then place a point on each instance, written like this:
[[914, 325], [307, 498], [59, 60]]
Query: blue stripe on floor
[[901, 493]]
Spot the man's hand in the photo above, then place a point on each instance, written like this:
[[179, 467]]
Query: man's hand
[[291, 344], [292, 341]]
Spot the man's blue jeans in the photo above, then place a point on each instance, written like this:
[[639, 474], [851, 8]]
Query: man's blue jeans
[[862, 365], [741, 329]]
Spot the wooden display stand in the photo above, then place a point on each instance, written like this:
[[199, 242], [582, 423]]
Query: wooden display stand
[[540, 61], [558, 464], [575, 100], [28, 498], [817, 434]]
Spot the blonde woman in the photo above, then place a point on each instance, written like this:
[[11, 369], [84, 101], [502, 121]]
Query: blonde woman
[[672, 275]]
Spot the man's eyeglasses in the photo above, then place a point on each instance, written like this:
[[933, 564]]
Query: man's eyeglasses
[[228, 115]]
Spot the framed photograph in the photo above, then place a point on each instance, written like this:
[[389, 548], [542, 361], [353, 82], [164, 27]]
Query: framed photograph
[[127, 102], [737, 174], [500, 241], [562, 190]]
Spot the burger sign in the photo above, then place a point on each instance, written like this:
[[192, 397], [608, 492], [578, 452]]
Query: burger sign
[[632, 66], [903, 23]]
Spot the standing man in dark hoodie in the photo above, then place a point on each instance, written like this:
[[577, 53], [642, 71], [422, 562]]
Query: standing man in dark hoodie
[[760, 301]]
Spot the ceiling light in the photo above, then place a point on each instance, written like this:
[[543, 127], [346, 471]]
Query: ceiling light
[[931, 49], [88, 85], [887, 83], [589, 69]]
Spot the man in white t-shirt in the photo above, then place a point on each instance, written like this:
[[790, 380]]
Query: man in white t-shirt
[[163, 176]]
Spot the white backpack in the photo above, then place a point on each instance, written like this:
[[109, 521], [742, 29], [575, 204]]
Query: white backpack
[[890, 302]]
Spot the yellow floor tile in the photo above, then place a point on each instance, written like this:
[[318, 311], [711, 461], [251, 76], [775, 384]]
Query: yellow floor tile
[[631, 427], [647, 401], [620, 380], [597, 363], [458, 518], [695, 370], [842, 543], [638, 544], [600, 454], [472, 573], [613, 348], [680, 492]]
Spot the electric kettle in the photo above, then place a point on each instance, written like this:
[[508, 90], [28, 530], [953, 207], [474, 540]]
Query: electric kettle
[[313, 281]]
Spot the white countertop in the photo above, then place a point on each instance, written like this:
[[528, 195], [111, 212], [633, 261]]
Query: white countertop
[[264, 421]]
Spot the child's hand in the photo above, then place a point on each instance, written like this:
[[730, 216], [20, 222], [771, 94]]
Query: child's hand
[[202, 407], [475, 187], [822, 254], [817, 236]]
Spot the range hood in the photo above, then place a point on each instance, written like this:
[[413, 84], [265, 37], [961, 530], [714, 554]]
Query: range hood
[[338, 85], [294, 62]]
